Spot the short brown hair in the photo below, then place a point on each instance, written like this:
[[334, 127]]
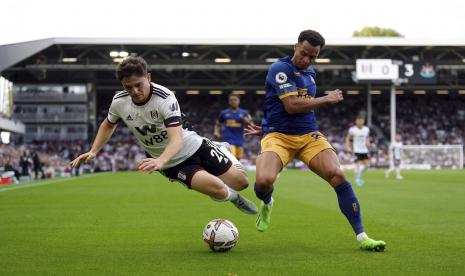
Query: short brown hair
[[131, 66]]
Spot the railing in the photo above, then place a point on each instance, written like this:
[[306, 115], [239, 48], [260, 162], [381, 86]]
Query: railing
[[56, 136], [51, 117], [49, 97]]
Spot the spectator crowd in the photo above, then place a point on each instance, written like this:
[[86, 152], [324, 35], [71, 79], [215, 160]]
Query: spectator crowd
[[427, 119]]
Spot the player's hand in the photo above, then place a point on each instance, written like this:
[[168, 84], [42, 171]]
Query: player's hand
[[85, 157], [253, 129], [348, 149], [150, 165], [334, 96]]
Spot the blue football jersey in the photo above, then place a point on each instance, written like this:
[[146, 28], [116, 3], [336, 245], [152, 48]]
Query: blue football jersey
[[233, 121], [284, 79]]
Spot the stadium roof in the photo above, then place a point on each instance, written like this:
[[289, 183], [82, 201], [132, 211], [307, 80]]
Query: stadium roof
[[191, 62], [352, 41]]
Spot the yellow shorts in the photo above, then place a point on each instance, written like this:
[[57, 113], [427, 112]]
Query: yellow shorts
[[303, 147], [236, 151]]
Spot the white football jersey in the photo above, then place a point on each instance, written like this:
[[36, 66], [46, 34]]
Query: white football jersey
[[148, 122], [359, 138], [395, 149]]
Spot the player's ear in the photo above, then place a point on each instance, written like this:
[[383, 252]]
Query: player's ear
[[149, 77]]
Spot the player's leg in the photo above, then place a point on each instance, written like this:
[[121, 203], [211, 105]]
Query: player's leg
[[357, 167], [208, 184], [398, 176], [277, 150], [205, 183], [326, 165], [215, 157], [390, 169], [236, 151], [365, 165], [194, 177], [239, 152], [358, 172], [268, 166], [226, 148], [219, 163]]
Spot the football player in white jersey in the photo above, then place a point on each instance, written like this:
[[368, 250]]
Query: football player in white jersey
[[394, 157], [152, 113], [360, 137]]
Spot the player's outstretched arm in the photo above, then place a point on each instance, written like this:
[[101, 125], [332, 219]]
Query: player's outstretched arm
[[217, 130], [175, 144], [368, 142], [294, 104], [103, 135], [347, 143]]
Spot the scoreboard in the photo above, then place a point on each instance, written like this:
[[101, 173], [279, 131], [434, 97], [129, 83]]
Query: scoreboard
[[423, 72], [388, 70]]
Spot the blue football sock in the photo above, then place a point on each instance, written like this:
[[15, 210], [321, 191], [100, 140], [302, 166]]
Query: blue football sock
[[349, 206], [265, 196]]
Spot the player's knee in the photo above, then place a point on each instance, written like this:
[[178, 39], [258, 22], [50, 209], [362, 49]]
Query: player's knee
[[239, 180], [337, 177], [243, 181], [265, 180], [218, 193]]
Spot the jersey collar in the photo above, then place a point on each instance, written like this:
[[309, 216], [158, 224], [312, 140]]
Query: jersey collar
[[309, 71]]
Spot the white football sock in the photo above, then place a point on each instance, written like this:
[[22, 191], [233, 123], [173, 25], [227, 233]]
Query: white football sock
[[231, 196], [362, 169], [362, 236], [357, 170], [270, 203]]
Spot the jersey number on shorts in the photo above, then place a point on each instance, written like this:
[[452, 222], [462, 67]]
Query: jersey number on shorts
[[215, 152]]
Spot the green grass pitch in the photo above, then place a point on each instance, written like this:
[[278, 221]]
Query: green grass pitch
[[141, 224]]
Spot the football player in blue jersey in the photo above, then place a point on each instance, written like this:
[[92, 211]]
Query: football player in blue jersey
[[290, 131], [234, 120]]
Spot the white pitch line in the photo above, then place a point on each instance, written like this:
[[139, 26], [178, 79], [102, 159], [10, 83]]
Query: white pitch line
[[24, 186]]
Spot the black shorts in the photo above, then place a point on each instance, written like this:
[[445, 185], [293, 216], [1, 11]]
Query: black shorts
[[396, 162], [361, 156], [208, 157]]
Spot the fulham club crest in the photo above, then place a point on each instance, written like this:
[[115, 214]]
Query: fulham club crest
[[154, 114]]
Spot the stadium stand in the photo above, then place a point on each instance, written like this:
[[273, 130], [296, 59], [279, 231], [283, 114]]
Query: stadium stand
[[77, 94]]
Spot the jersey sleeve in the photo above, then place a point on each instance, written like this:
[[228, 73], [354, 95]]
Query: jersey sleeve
[[113, 116], [247, 115], [351, 132], [281, 78], [171, 112], [221, 117]]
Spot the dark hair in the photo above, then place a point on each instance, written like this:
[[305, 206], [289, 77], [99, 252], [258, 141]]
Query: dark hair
[[312, 37], [131, 66], [234, 95]]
